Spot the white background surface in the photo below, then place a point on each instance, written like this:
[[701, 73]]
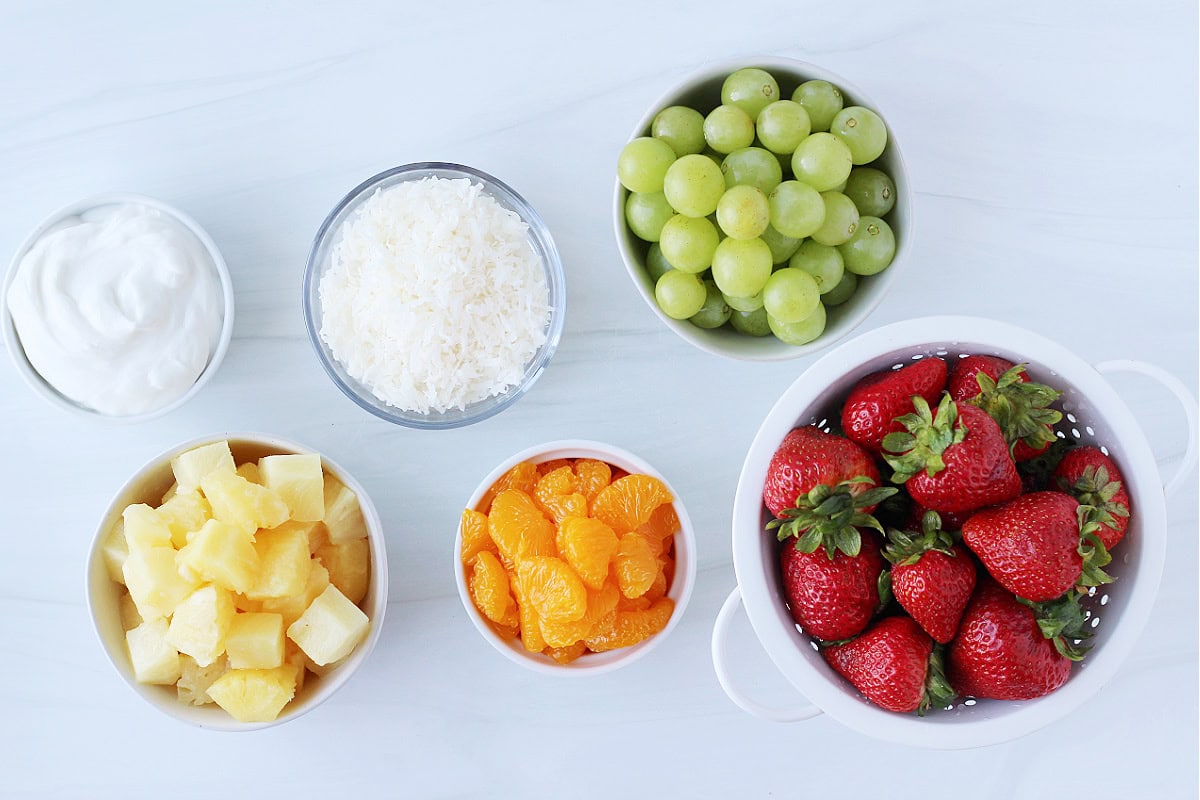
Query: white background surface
[[1052, 151]]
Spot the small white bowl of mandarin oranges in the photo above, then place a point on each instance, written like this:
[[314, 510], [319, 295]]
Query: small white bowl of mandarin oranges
[[574, 558], [236, 583]]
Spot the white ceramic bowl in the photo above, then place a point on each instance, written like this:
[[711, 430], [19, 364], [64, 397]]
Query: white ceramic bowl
[[12, 339], [702, 90], [680, 589], [103, 594], [1094, 414]]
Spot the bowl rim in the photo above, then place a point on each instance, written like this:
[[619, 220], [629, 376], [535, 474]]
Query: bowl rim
[[680, 591], [96, 579], [1139, 469], [884, 279], [551, 264], [12, 339]]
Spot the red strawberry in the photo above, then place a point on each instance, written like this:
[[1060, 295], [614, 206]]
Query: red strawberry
[[808, 457], [953, 462], [870, 411], [949, 522], [894, 664], [832, 598], [1002, 650], [1093, 479], [930, 577], [1033, 547], [1004, 391]]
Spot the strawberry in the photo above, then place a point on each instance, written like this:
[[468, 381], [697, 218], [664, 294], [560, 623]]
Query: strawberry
[[1039, 545], [954, 461], [1010, 650], [1004, 391], [807, 457], [949, 522], [895, 665], [930, 577], [870, 411], [1093, 479]]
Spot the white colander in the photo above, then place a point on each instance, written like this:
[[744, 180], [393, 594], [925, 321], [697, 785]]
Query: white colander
[[1093, 414]]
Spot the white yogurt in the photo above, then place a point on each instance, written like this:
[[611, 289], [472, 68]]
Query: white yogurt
[[118, 308]]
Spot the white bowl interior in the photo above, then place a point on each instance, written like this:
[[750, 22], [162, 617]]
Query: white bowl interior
[[148, 486], [680, 589], [702, 89], [1093, 414]]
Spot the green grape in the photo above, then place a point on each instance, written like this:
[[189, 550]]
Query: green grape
[[643, 164], [822, 100], [728, 128], [680, 294], [782, 126], [750, 89], [782, 247], [841, 220], [752, 166], [752, 303], [751, 323], [714, 313], [824, 263], [646, 214], [871, 248], [791, 295], [656, 263], [693, 185], [841, 293], [822, 161], [743, 212], [802, 332], [688, 243], [871, 190], [861, 130], [797, 209], [681, 127], [741, 266]]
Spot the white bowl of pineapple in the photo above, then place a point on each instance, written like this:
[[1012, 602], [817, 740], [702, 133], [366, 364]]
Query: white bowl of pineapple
[[237, 582]]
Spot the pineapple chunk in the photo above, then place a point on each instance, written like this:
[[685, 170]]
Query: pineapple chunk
[[284, 563], [154, 583], [174, 490], [254, 695], [249, 471], [255, 641], [349, 565], [201, 623], [292, 607], [192, 467], [194, 679], [314, 532], [298, 480], [243, 603], [223, 554], [153, 658], [294, 657], [114, 551], [343, 515], [330, 628], [185, 513], [144, 527], [243, 504], [130, 618]]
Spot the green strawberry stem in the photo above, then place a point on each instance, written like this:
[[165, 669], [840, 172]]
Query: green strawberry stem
[[923, 441], [938, 691], [830, 517], [1093, 488], [1063, 621], [1091, 548], [1020, 409], [907, 547]]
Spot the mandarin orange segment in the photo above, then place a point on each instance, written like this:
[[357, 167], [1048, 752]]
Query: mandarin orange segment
[[521, 477], [518, 527], [546, 467], [475, 537], [567, 505], [555, 484], [627, 503], [593, 476], [634, 604], [599, 605], [663, 522], [529, 627], [490, 590], [552, 588], [658, 588], [626, 628], [636, 565], [565, 655], [505, 632], [588, 545]]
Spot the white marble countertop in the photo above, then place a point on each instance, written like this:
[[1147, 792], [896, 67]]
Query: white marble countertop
[[1053, 152]]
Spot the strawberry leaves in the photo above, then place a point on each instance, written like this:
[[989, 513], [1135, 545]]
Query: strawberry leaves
[[830, 517], [907, 547], [1064, 622], [924, 439], [1019, 406], [1091, 548], [1095, 489]]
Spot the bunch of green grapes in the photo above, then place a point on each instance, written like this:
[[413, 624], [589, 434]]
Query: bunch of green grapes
[[763, 213]]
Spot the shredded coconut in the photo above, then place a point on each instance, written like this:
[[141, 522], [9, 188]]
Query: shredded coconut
[[434, 299]]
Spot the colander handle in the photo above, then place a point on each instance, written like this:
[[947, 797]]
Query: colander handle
[[720, 638], [1186, 400]]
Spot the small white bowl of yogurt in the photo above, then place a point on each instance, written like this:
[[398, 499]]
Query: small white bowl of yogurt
[[117, 306]]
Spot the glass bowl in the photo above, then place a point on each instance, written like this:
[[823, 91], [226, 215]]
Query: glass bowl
[[320, 260]]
